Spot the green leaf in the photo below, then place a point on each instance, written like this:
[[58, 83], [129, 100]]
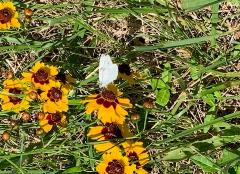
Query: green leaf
[[194, 72], [207, 119], [72, 170], [236, 51], [209, 99], [197, 4], [172, 44], [157, 84], [163, 96], [228, 156], [205, 163], [167, 74], [178, 154]]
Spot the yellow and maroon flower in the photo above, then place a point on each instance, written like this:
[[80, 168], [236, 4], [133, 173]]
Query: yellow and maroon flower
[[137, 155], [51, 120], [54, 97], [40, 75], [108, 105], [109, 131], [114, 163], [13, 96], [8, 16]]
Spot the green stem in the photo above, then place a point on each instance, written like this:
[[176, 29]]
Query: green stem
[[220, 86], [222, 74]]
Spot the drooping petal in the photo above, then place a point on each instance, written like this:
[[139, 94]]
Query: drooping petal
[[125, 102], [95, 133], [121, 111], [92, 106]]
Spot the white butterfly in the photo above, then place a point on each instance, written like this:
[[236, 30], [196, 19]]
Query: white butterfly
[[108, 71]]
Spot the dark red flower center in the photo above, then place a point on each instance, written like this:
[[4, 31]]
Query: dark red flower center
[[108, 95], [115, 167], [6, 15], [41, 76], [13, 99], [124, 69], [134, 159], [54, 94], [111, 131], [107, 98], [53, 119]]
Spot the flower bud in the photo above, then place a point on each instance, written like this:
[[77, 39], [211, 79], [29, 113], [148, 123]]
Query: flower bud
[[40, 115], [135, 117], [148, 103], [5, 136], [25, 116], [28, 12], [39, 131], [33, 95], [9, 75]]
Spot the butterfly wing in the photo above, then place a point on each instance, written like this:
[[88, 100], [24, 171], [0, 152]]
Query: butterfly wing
[[108, 71]]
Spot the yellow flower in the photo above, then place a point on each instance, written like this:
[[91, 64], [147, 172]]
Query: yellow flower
[[109, 131], [40, 75], [125, 73], [51, 120], [114, 163], [137, 155], [8, 16], [54, 97], [13, 97], [108, 105]]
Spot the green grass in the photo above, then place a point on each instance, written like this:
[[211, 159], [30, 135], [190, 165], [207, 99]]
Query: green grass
[[187, 54]]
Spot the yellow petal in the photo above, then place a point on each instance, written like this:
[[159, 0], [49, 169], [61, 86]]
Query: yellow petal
[[103, 147], [90, 107], [95, 132], [53, 70], [47, 128], [125, 102], [105, 114], [121, 111]]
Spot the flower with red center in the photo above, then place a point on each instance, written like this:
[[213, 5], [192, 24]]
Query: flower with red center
[[108, 105], [114, 163], [8, 16], [51, 120], [40, 75], [137, 155], [54, 97], [109, 131], [13, 96]]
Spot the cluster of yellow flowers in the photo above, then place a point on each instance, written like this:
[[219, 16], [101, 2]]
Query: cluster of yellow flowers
[[121, 154], [43, 84]]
